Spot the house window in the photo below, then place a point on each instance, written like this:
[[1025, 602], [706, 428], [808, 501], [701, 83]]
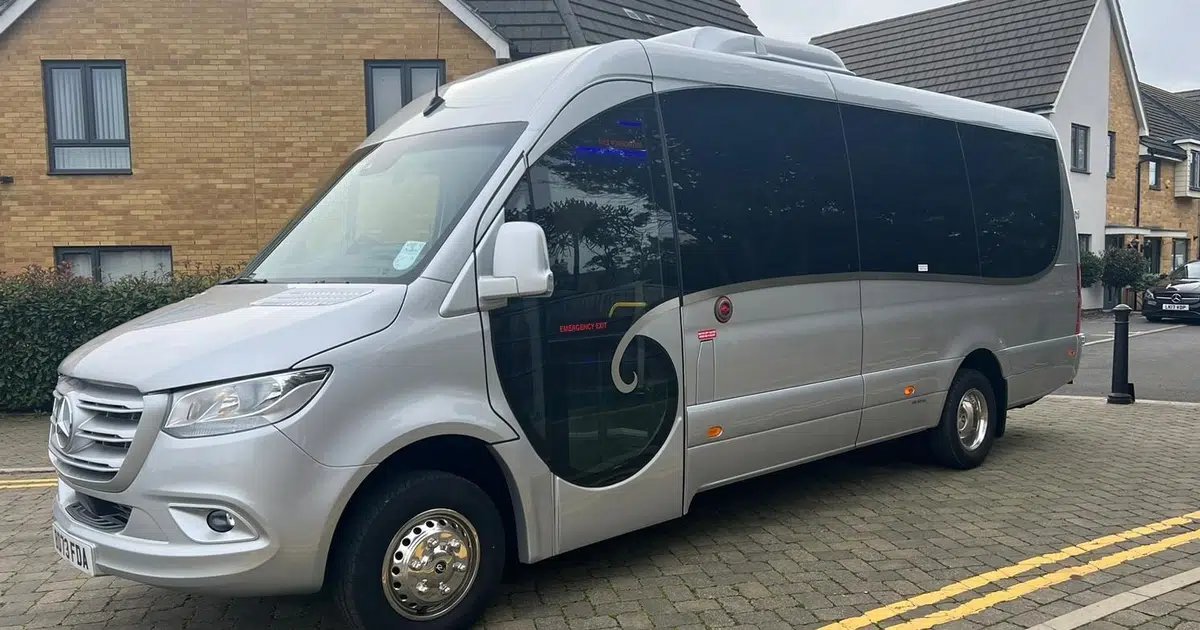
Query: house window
[[1194, 172], [393, 84], [1079, 148], [1155, 174], [1112, 154], [108, 264], [1179, 253], [1085, 243], [1152, 250], [87, 117]]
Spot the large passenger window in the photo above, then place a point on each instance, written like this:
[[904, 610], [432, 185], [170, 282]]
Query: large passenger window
[[600, 195], [762, 187], [1016, 186], [911, 191]]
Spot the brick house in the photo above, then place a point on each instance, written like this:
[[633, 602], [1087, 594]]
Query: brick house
[[1068, 60], [141, 135], [1165, 216]]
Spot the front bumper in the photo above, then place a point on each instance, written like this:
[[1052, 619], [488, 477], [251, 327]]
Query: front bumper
[[1156, 309], [283, 501]]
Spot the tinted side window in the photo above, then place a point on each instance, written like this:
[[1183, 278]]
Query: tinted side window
[[762, 187], [1016, 185], [600, 195], [911, 191]]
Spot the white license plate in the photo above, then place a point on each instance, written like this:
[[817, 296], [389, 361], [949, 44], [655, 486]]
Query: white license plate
[[77, 553], [1175, 307]]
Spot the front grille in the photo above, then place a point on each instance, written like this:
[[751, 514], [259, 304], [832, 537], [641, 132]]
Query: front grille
[[1184, 298], [99, 514], [91, 437]]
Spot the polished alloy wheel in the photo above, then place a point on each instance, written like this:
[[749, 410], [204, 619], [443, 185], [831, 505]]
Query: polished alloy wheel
[[431, 564], [972, 419]]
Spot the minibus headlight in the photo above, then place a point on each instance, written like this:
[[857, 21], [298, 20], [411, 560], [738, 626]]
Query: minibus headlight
[[243, 404]]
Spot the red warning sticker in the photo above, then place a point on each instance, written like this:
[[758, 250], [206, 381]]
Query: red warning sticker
[[573, 328], [707, 335]]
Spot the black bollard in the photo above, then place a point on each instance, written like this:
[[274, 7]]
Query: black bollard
[[1122, 389]]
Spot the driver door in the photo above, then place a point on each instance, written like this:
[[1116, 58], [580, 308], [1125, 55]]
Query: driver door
[[592, 373]]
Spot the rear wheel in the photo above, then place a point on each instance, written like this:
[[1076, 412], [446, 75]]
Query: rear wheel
[[427, 552], [967, 430]]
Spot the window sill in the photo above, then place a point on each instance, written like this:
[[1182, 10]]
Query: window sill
[[1081, 171], [1111, 175], [59, 173]]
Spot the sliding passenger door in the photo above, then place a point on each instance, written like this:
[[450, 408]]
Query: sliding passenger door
[[769, 255], [592, 373]]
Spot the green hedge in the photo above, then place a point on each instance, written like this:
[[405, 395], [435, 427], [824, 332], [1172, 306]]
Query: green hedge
[[45, 314]]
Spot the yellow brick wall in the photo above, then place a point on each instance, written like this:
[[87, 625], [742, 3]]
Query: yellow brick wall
[[237, 109], [1122, 118], [1159, 208]]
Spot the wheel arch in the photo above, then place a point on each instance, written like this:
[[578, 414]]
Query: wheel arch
[[986, 362], [457, 454]]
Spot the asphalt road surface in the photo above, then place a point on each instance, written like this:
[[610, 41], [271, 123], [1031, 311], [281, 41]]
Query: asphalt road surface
[[1163, 365]]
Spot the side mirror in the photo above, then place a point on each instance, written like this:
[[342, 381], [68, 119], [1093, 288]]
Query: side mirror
[[520, 264]]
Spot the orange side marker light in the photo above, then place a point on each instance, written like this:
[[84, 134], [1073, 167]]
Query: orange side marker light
[[909, 391], [715, 432]]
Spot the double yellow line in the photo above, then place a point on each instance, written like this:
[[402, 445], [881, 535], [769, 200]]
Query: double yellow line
[[28, 484], [1021, 589]]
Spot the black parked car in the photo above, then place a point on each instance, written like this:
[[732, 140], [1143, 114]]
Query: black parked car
[[1176, 296]]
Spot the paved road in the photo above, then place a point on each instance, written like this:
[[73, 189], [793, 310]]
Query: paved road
[[1164, 365], [23, 441], [831, 541], [1178, 609]]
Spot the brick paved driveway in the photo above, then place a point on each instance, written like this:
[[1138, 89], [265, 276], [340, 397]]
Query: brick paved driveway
[[23, 441], [802, 548]]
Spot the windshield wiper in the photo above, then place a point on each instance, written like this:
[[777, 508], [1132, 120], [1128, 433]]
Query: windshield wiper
[[244, 280]]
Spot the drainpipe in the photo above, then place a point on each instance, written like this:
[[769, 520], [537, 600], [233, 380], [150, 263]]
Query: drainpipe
[[1137, 196]]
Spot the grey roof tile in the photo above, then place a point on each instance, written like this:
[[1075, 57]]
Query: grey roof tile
[[1170, 117], [1191, 95], [605, 20], [1007, 52], [513, 19], [601, 21]]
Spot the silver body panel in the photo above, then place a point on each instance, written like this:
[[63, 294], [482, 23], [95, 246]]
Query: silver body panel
[[807, 369], [232, 331]]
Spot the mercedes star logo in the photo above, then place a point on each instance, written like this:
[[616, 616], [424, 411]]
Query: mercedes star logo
[[1176, 298], [64, 423]]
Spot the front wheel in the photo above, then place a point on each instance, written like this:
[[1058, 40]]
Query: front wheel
[[1152, 318], [964, 436], [426, 552]]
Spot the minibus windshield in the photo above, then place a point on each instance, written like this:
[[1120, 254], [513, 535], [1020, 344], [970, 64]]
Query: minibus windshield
[[387, 209]]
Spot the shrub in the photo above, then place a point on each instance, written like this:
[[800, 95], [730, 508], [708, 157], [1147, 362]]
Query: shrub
[[1144, 282], [45, 314], [1091, 267], [1123, 267]]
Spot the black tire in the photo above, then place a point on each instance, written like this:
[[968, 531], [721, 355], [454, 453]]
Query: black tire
[[1152, 319], [945, 446], [357, 563]]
